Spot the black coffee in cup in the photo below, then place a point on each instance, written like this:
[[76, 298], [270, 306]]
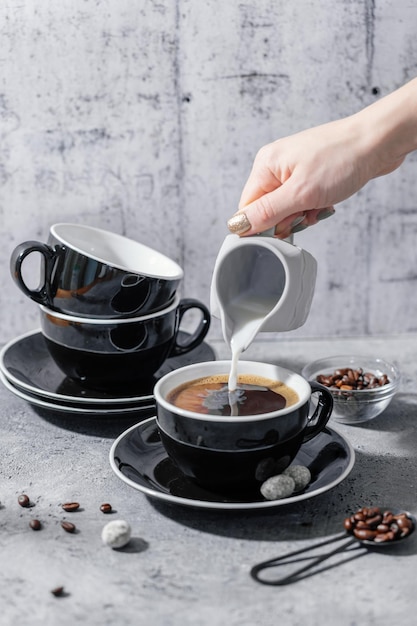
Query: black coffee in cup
[[254, 395], [223, 452]]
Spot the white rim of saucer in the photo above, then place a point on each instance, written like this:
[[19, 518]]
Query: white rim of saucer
[[64, 408]]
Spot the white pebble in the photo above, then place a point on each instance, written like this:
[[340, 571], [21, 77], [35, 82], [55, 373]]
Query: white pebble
[[300, 474], [277, 487], [116, 534]]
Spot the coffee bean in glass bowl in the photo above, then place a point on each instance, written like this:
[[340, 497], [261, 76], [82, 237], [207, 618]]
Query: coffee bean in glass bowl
[[362, 386]]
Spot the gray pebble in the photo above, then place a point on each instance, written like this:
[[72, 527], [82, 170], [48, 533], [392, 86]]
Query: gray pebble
[[300, 474], [277, 487]]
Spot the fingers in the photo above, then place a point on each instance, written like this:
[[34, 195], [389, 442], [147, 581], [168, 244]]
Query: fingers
[[294, 223], [267, 211], [290, 223], [288, 206], [287, 228], [263, 178]]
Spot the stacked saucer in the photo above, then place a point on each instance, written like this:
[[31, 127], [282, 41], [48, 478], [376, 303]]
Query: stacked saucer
[[28, 371]]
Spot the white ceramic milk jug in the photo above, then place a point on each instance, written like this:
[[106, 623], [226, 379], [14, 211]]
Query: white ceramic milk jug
[[260, 283]]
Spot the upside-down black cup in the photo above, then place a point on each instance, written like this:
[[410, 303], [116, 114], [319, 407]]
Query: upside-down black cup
[[92, 272], [227, 453], [119, 354]]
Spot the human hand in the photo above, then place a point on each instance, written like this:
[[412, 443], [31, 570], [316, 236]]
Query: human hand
[[296, 181]]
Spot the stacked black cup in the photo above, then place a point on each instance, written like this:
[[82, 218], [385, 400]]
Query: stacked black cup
[[109, 306]]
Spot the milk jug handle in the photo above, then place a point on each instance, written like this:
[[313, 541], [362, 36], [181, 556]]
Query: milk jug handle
[[271, 233], [267, 233]]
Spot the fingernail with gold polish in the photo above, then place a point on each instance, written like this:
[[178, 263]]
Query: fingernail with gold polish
[[325, 213], [239, 224]]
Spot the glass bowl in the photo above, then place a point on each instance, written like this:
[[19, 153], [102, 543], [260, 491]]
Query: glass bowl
[[352, 406]]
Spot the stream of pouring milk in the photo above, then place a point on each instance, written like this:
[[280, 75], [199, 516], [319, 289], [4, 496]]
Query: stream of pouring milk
[[246, 317]]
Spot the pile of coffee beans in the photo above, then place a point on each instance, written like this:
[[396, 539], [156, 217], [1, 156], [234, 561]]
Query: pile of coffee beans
[[346, 378], [378, 525]]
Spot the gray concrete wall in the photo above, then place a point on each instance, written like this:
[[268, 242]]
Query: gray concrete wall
[[144, 116]]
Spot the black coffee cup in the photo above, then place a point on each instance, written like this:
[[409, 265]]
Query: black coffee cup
[[231, 452], [101, 353], [96, 273]]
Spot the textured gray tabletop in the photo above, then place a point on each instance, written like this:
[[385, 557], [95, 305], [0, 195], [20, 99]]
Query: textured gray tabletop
[[191, 566]]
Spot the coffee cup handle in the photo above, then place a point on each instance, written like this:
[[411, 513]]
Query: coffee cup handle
[[322, 412], [42, 295], [200, 332]]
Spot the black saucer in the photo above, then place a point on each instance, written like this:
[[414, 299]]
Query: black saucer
[[27, 364], [139, 459]]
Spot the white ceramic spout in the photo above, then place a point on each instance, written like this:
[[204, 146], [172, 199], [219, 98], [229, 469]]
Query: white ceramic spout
[[264, 281]]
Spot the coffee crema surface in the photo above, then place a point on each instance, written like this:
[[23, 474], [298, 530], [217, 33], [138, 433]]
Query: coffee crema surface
[[254, 395]]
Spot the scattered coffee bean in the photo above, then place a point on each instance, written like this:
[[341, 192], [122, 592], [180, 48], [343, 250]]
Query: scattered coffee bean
[[106, 508], [70, 506], [23, 500], [300, 474], [374, 524], [347, 379], [35, 524], [116, 534], [277, 487], [58, 591], [69, 527]]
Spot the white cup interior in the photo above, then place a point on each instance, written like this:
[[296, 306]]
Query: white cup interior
[[117, 251]]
